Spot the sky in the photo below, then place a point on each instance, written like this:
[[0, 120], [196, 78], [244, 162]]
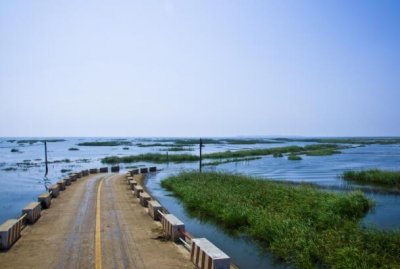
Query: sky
[[199, 68]]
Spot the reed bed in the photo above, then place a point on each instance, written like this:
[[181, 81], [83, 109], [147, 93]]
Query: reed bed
[[300, 224], [374, 176]]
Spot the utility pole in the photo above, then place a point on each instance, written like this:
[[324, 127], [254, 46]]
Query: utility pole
[[45, 158], [201, 146]]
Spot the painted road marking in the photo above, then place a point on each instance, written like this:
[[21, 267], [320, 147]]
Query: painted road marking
[[98, 228]]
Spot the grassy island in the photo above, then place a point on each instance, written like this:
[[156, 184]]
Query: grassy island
[[300, 224], [374, 176], [294, 157], [151, 157], [105, 143], [312, 150]]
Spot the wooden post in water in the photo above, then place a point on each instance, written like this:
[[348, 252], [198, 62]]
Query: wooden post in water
[[45, 158], [201, 146]]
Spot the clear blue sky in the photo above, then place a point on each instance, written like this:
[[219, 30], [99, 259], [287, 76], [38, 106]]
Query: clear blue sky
[[199, 68]]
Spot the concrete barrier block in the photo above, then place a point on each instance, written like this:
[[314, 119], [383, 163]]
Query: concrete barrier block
[[135, 172], [144, 170], [144, 198], [10, 232], [154, 207], [172, 226], [61, 184], [153, 169], [32, 211], [73, 177], [55, 190], [93, 171], [128, 179], [103, 170], [115, 169], [45, 200], [67, 181], [78, 175], [85, 173], [132, 183], [206, 255], [138, 189]]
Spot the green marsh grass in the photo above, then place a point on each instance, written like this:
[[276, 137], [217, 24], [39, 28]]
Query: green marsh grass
[[235, 160], [374, 176], [141, 145], [178, 149], [248, 141], [300, 224], [162, 158], [151, 157], [309, 149], [105, 143], [294, 157]]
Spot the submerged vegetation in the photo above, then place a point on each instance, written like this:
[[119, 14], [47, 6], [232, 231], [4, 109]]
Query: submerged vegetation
[[299, 224], [374, 176], [151, 157], [235, 160], [106, 143], [73, 149]]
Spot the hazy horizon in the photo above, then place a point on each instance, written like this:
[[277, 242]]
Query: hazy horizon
[[199, 69]]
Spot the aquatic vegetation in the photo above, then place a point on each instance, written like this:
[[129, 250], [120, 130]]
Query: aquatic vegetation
[[324, 149], [349, 140], [106, 143], [9, 169], [300, 224], [151, 157], [73, 149], [82, 161], [60, 161], [249, 141], [277, 155], [194, 141], [162, 158], [141, 145], [374, 176], [235, 160], [15, 150], [180, 148], [33, 141], [125, 148], [294, 157]]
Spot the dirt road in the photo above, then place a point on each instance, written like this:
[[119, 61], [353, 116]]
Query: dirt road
[[95, 223]]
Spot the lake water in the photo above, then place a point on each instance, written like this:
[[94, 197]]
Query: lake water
[[22, 180]]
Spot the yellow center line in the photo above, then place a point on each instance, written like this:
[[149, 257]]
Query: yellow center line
[[98, 228]]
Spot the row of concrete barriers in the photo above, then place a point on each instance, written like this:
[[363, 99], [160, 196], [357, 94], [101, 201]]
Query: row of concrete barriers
[[10, 230], [203, 253]]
